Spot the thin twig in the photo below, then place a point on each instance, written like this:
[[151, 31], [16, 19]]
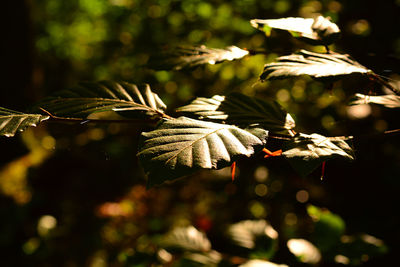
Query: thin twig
[[378, 79], [256, 52], [79, 120], [366, 136]]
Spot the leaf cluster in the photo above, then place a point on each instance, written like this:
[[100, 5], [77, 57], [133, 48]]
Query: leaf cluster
[[215, 132]]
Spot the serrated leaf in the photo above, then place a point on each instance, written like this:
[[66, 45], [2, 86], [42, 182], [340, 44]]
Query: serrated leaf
[[261, 263], [89, 98], [316, 65], [12, 121], [186, 239], [181, 146], [389, 101], [318, 31], [242, 111], [188, 57], [306, 152], [249, 233]]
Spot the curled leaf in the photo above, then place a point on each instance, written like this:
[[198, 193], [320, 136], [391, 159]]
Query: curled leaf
[[188, 57], [12, 121], [317, 31], [179, 147], [242, 111], [306, 152], [316, 65]]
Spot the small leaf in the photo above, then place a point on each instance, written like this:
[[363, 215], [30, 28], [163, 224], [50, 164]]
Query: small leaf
[[188, 57], [186, 239], [304, 250], [90, 98], [306, 152], [242, 111], [389, 101], [316, 65], [253, 234], [181, 146], [12, 121], [318, 31], [261, 263]]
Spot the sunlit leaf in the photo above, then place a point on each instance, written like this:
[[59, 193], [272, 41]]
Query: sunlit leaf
[[91, 98], [389, 101], [318, 31], [186, 239], [306, 152], [181, 146], [261, 263], [304, 250], [316, 65], [210, 258], [242, 111], [12, 121], [255, 235], [188, 57], [328, 228]]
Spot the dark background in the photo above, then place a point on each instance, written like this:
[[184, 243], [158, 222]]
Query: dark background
[[86, 177]]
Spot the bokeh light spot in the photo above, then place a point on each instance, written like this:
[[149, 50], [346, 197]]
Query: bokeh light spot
[[261, 190], [302, 196]]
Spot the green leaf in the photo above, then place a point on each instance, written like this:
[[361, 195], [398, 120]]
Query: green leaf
[[186, 239], [255, 235], [261, 263], [12, 121], [90, 98], [242, 111], [188, 57], [389, 101], [181, 146], [328, 228], [306, 152], [316, 65], [318, 31]]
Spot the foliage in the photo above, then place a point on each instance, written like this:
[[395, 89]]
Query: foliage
[[180, 146], [12, 121], [91, 98], [316, 65], [389, 101], [181, 57], [317, 31], [242, 111], [82, 181]]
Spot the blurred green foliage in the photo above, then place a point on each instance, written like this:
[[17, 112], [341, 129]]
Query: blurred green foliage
[[80, 198]]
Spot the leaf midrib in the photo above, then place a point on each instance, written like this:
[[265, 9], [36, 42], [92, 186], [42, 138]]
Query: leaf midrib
[[191, 144], [117, 101]]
